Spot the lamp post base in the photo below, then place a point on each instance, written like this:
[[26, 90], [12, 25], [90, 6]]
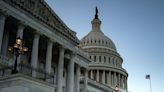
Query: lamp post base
[[14, 71]]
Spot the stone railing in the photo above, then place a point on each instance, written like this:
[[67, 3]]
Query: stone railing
[[100, 85], [97, 84], [4, 60], [27, 70]]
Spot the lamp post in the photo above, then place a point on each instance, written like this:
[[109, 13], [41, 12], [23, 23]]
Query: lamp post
[[116, 89], [18, 49]]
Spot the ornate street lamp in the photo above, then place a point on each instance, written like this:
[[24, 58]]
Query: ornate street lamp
[[18, 49], [116, 89]]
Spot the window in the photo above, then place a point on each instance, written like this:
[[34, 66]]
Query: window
[[104, 59], [95, 58], [99, 58], [109, 60]]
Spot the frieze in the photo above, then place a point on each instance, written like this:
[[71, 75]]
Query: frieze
[[40, 10]]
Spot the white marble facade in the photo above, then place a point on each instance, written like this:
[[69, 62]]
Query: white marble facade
[[57, 61]]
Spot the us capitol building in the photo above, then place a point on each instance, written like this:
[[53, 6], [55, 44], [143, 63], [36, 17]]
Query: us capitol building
[[40, 53]]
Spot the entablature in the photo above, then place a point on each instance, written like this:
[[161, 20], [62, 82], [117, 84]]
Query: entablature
[[41, 11]]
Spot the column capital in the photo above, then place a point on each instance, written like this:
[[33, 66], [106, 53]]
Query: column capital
[[36, 35], [20, 29], [21, 23], [3, 13], [50, 40], [73, 54], [61, 47]]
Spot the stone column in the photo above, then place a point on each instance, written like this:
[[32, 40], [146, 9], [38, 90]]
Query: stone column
[[5, 44], [112, 83], [20, 31], [55, 74], [60, 70], [70, 76], [34, 55], [2, 25], [119, 84], [115, 79], [121, 81], [97, 76], [85, 80], [109, 78], [126, 83], [49, 56], [91, 74], [123, 85], [103, 77], [77, 85]]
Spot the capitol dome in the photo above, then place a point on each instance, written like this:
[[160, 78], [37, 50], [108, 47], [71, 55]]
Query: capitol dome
[[106, 63], [98, 39]]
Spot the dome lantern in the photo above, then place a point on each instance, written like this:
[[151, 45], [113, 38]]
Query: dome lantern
[[96, 22]]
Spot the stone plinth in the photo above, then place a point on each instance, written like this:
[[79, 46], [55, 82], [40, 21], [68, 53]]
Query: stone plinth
[[23, 83]]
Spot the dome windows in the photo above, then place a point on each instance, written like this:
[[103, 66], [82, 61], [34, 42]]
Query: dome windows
[[104, 59], [99, 58], [95, 58], [109, 60]]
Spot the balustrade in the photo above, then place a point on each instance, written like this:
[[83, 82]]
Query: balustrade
[[4, 60]]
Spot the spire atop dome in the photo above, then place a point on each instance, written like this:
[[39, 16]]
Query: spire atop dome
[[96, 11]]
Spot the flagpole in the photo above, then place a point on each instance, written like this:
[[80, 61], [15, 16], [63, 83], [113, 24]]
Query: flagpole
[[150, 85]]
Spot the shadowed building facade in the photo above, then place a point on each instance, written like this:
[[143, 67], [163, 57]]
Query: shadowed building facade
[[56, 60]]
